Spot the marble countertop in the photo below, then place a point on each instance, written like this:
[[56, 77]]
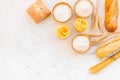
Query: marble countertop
[[30, 51]]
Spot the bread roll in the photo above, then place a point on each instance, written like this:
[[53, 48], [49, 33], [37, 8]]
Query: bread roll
[[111, 15], [38, 11], [108, 47]]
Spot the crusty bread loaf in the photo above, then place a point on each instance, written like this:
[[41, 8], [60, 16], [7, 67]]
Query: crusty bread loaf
[[38, 11], [108, 47], [111, 15]]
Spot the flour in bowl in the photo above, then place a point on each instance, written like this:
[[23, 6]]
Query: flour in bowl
[[84, 8], [81, 43], [62, 12]]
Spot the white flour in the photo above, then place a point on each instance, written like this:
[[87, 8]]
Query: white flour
[[81, 43], [62, 12], [84, 8]]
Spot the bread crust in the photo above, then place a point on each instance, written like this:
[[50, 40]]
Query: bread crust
[[38, 11], [108, 47], [111, 15]]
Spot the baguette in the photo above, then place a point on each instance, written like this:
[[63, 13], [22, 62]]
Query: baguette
[[108, 47], [95, 69], [111, 15]]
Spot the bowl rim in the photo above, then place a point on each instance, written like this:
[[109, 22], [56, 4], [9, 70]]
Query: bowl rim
[[90, 43], [80, 15], [62, 3]]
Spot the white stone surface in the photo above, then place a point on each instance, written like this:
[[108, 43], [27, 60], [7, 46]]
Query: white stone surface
[[30, 51]]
